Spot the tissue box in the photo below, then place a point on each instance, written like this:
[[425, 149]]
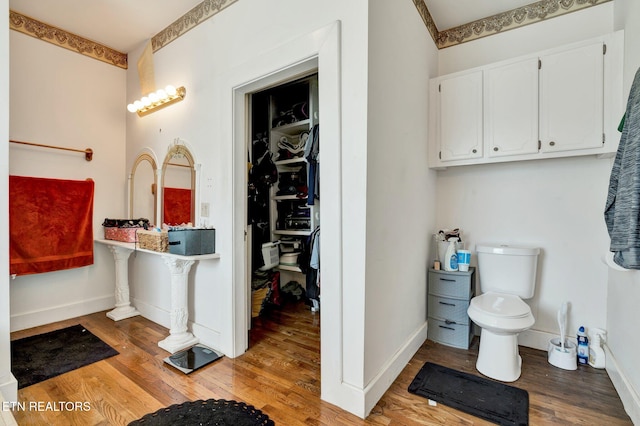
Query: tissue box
[[192, 242]]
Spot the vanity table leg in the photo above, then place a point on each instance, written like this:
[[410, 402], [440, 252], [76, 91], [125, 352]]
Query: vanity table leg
[[179, 337], [123, 304]]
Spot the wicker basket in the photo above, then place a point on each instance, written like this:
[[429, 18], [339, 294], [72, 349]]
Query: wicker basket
[[153, 240], [257, 296]]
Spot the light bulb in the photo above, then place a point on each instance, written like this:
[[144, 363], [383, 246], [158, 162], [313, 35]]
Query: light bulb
[[138, 105], [153, 97], [132, 108], [171, 91], [162, 95], [145, 101]]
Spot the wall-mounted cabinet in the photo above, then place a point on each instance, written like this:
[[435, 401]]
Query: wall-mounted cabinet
[[562, 102]]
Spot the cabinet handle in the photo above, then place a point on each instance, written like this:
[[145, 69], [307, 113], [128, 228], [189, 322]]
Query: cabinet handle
[[448, 280], [495, 148], [552, 143], [448, 304], [448, 328], [449, 322]]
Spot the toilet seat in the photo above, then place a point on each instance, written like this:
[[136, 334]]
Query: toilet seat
[[501, 313], [501, 305]]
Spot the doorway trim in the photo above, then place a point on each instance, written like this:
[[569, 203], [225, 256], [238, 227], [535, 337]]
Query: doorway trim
[[320, 52]]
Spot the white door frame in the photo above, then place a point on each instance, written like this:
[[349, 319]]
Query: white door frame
[[319, 50]]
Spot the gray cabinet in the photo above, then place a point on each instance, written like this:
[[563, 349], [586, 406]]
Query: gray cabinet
[[448, 297]]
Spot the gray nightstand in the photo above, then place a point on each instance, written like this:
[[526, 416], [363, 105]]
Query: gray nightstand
[[448, 297]]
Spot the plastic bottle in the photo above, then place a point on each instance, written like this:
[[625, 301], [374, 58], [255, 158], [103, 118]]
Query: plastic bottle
[[450, 256], [583, 347], [596, 353]]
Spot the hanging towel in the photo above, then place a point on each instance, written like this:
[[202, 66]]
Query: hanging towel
[[50, 224], [622, 210], [176, 206]]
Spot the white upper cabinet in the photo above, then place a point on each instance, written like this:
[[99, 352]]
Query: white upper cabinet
[[562, 102], [571, 99], [460, 120], [511, 108]]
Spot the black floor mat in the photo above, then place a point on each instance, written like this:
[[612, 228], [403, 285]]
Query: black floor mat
[[484, 398], [41, 357]]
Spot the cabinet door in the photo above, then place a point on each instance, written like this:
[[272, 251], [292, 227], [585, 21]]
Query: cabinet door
[[460, 120], [511, 109], [571, 99]]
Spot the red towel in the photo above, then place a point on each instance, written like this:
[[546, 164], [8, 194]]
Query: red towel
[[176, 206], [50, 224]]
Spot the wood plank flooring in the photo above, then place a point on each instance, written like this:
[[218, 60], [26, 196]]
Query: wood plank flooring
[[280, 375]]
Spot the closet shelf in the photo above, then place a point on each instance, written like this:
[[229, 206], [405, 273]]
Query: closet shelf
[[293, 128], [291, 232], [289, 268], [287, 197], [291, 162]]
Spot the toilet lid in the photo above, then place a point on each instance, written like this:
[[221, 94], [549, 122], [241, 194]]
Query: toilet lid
[[501, 305]]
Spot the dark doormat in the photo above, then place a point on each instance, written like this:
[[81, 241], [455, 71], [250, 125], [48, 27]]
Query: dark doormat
[[38, 358], [217, 412], [484, 398]]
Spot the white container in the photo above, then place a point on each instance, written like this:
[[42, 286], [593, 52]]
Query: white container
[[270, 255], [562, 358], [451, 257]]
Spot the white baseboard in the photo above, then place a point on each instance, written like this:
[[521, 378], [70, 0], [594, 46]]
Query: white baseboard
[[628, 395], [6, 416], [392, 369], [207, 336], [153, 313], [536, 339], [59, 313]]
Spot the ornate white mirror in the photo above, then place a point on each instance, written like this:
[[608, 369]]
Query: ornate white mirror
[[143, 188], [178, 186]]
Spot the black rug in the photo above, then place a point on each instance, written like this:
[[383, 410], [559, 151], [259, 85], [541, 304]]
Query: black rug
[[38, 358], [484, 398], [210, 412]]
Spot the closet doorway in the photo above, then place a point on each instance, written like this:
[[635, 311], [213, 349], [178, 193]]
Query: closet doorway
[[283, 203]]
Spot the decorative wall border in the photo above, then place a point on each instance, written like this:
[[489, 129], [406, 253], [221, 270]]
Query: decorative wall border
[[189, 20], [70, 41], [512, 19]]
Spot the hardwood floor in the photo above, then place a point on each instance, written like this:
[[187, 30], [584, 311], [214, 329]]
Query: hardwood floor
[[280, 375]]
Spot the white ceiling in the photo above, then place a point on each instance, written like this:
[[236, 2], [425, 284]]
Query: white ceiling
[[452, 13], [124, 24]]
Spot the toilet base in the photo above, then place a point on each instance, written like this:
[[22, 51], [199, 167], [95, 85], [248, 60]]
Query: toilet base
[[498, 356]]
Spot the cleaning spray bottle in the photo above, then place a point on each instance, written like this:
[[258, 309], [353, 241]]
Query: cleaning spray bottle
[[596, 353], [451, 256]]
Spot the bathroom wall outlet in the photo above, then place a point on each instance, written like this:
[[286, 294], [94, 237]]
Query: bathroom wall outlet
[[204, 209]]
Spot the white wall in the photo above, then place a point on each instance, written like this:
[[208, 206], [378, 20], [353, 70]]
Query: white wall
[[210, 61], [62, 98], [555, 204], [400, 207], [623, 296], [8, 384]]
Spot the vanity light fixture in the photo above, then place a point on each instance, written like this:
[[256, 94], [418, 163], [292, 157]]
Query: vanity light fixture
[[157, 100]]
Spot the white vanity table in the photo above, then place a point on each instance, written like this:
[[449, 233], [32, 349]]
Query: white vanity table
[[179, 336]]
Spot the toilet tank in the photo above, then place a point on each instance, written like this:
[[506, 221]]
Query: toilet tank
[[507, 269]]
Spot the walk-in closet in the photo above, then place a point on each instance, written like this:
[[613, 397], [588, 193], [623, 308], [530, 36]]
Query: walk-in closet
[[283, 206]]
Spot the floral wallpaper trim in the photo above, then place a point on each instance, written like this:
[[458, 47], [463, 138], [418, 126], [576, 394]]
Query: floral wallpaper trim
[[62, 38], [189, 20], [515, 18]]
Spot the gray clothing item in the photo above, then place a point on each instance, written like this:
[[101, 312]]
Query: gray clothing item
[[622, 211]]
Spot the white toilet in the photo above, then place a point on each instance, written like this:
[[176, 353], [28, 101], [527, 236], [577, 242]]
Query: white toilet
[[507, 275]]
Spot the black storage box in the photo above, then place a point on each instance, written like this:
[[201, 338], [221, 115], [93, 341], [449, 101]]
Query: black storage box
[[192, 242]]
